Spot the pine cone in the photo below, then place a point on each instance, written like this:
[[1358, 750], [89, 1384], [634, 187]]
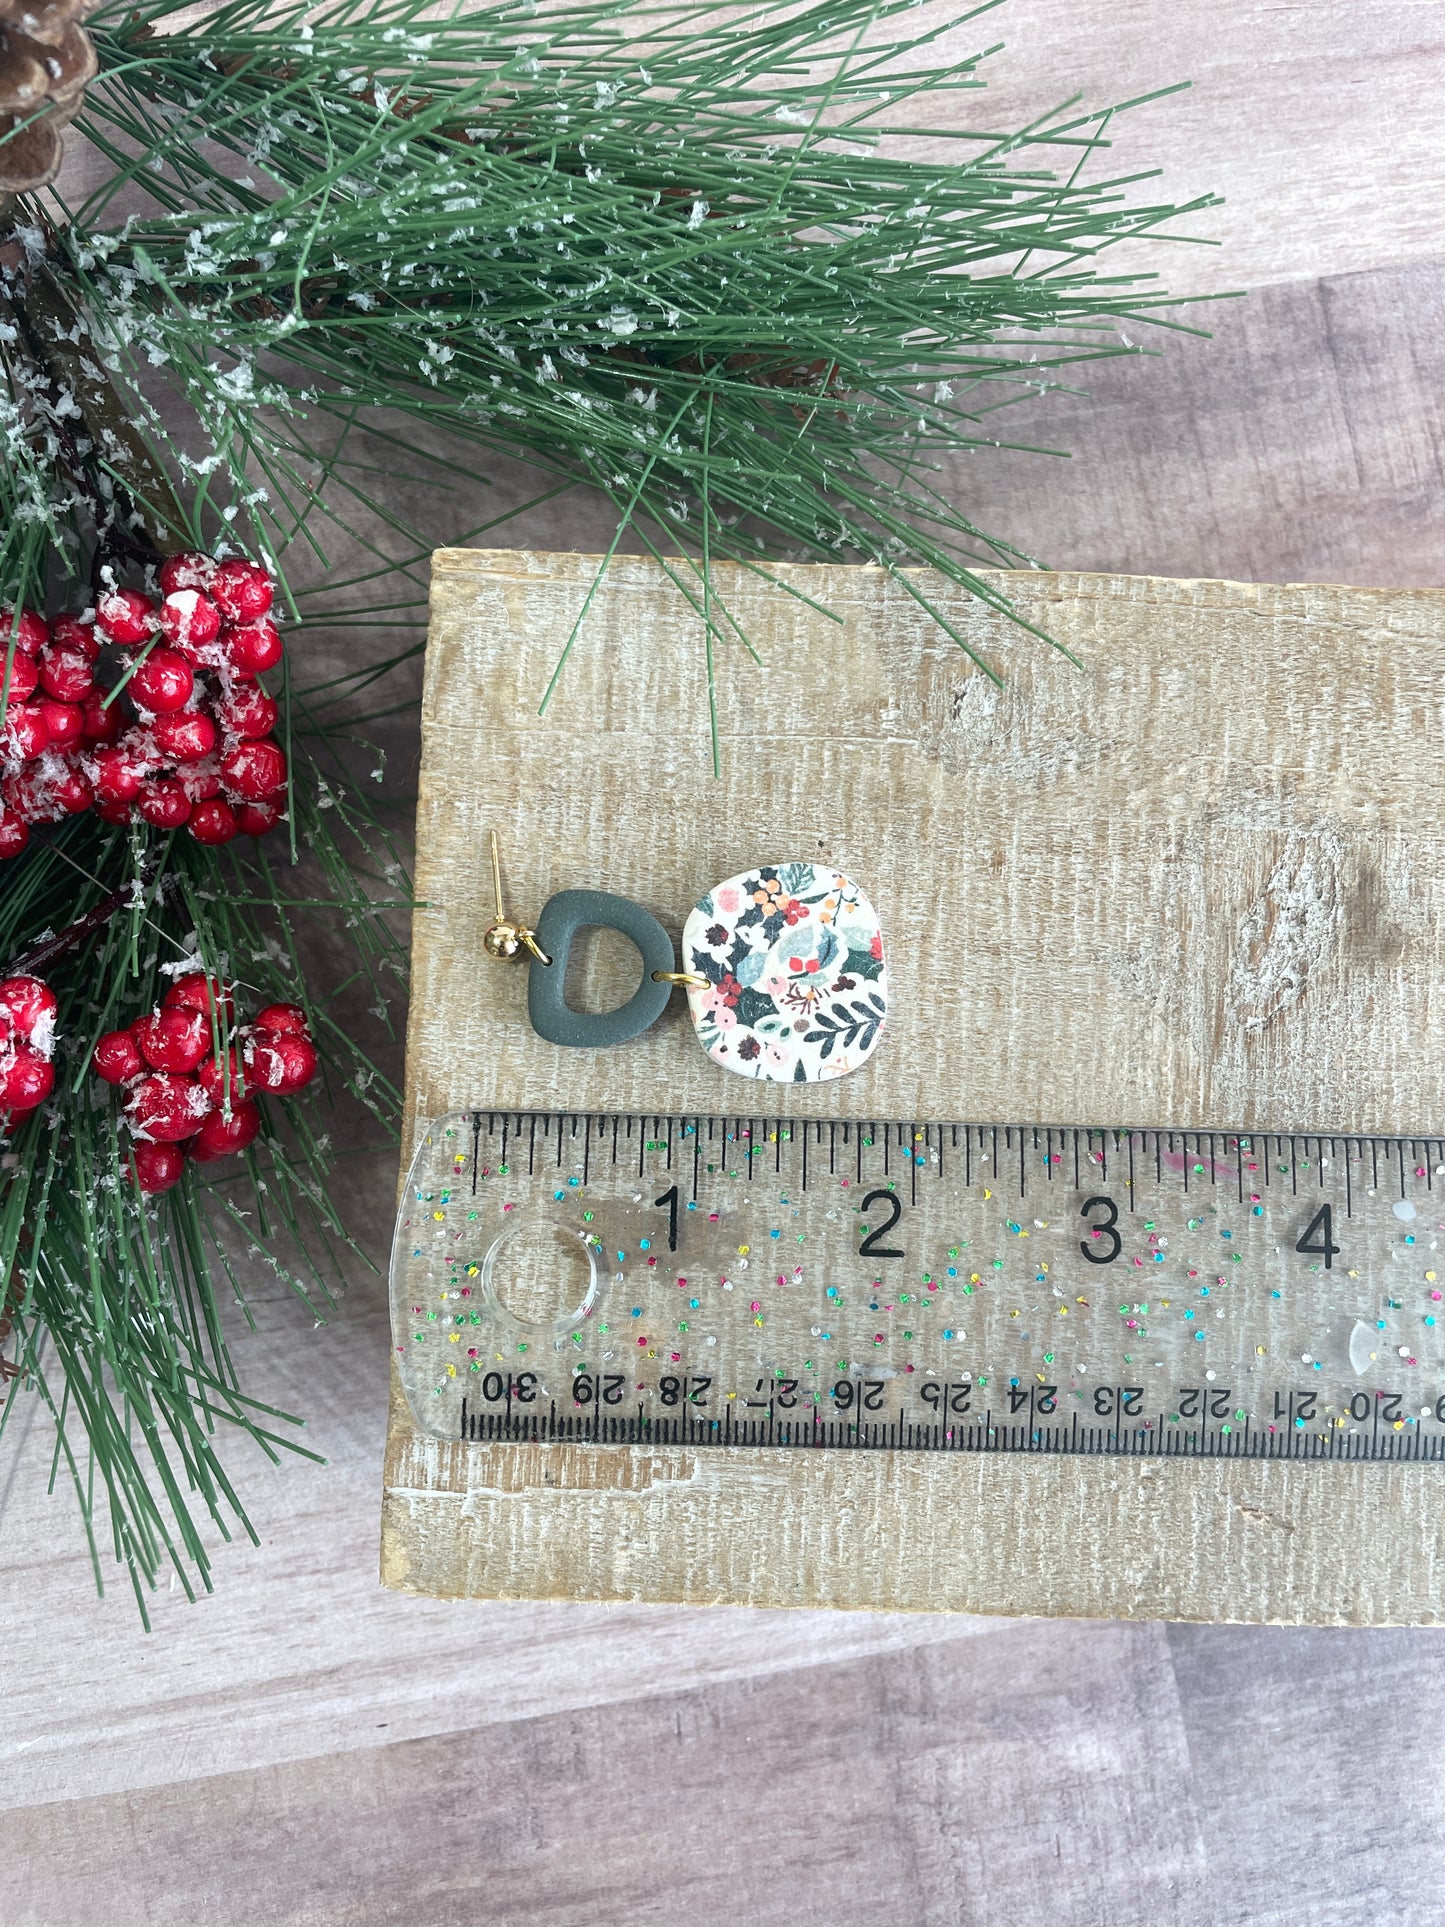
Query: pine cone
[[46, 59]]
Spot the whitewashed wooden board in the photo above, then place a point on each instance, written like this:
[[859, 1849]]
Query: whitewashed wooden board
[[1196, 881]]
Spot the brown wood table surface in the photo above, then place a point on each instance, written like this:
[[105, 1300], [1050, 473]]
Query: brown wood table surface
[[307, 1747]]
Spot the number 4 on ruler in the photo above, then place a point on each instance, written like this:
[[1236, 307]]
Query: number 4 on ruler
[[1326, 1248]]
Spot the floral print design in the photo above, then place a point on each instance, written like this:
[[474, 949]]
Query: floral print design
[[797, 989]]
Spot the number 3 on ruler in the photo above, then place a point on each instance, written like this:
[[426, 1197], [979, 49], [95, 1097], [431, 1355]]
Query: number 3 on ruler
[[1103, 1229]]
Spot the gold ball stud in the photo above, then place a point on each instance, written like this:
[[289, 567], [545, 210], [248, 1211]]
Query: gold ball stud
[[502, 941]]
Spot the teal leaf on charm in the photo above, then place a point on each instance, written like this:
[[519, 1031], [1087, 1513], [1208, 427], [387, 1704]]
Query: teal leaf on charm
[[750, 968]]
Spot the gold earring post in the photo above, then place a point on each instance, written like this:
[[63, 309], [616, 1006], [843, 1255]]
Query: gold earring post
[[505, 939], [497, 877]]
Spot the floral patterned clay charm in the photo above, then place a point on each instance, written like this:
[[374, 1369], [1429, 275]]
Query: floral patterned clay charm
[[797, 989], [783, 967]]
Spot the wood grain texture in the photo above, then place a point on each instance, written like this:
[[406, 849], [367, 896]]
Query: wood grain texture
[[1304, 441], [1375, 1848], [1314, 122], [1212, 847], [1197, 880], [881, 1789], [1079, 1538]]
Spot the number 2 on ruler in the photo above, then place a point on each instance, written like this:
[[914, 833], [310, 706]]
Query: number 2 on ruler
[[870, 1247]]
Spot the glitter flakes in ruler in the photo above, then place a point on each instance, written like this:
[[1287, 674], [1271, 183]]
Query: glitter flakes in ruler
[[719, 1281]]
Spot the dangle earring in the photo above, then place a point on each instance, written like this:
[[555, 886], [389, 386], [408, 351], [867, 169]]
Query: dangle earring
[[787, 981]]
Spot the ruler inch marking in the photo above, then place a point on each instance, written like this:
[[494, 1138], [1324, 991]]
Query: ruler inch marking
[[1249, 1403], [1133, 1187]]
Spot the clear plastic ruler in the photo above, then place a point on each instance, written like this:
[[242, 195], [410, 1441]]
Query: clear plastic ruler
[[740, 1282]]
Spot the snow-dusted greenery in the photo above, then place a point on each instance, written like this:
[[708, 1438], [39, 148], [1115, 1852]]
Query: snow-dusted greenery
[[685, 254]]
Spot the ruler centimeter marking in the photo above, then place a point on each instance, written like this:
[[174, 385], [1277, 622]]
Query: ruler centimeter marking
[[821, 1285]]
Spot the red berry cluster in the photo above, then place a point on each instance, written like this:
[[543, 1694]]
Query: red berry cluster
[[195, 745], [27, 1044], [183, 1097]]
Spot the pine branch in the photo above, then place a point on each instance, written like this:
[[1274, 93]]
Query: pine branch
[[559, 233]]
